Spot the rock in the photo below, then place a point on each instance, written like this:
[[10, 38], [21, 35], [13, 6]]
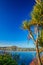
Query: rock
[[35, 61]]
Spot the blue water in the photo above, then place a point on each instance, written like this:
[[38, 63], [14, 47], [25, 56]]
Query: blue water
[[25, 57]]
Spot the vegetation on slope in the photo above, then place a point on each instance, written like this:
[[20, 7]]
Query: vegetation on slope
[[6, 59]]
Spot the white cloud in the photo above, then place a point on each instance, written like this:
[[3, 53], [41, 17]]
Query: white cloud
[[23, 44]]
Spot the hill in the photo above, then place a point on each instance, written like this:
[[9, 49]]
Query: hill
[[15, 48]]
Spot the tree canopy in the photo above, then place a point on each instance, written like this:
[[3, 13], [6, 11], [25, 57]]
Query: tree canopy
[[36, 19]]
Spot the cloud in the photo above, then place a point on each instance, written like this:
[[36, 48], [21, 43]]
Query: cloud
[[23, 44]]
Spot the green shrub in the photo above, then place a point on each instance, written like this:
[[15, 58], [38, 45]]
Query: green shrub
[[7, 59]]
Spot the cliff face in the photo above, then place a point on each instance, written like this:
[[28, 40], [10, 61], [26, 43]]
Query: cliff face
[[35, 61]]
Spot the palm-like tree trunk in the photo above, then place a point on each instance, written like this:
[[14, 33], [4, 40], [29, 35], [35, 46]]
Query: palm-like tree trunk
[[38, 54], [37, 49]]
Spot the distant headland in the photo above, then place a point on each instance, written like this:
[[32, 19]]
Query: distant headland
[[15, 48]]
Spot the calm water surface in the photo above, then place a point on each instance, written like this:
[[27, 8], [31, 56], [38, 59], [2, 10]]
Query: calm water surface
[[25, 57]]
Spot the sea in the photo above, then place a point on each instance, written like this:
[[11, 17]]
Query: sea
[[25, 57]]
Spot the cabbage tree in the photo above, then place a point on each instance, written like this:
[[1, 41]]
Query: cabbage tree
[[36, 22]]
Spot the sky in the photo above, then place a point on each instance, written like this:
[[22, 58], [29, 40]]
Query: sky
[[12, 14]]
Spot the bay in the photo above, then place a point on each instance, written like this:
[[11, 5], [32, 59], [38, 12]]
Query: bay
[[25, 57]]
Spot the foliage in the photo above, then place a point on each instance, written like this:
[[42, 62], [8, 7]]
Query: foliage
[[36, 19], [6, 59], [41, 39], [36, 12]]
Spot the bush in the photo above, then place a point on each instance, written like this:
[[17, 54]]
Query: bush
[[7, 59]]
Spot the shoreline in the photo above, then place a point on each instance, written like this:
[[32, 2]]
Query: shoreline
[[16, 51]]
